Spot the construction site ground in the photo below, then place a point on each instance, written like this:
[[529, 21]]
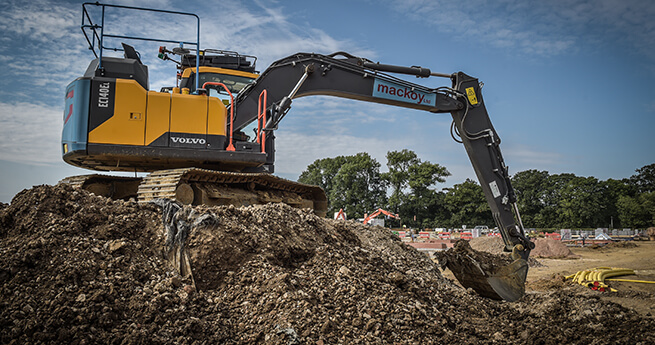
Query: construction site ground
[[639, 256], [76, 268], [547, 273]]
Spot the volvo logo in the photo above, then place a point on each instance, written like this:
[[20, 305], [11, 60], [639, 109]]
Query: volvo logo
[[192, 141]]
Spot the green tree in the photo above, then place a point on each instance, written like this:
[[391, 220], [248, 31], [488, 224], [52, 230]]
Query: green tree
[[532, 191], [439, 216], [350, 182], [632, 212], [567, 200], [549, 215], [358, 187], [322, 172], [612, 190], [636, 205], [412, 182], [467, 205], [648, 200], [644, 180], [638, 211], [398, 163], [580, 203]]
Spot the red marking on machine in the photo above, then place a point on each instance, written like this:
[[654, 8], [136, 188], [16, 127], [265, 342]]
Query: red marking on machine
[[70, 112]]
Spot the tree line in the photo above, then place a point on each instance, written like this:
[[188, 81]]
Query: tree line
[[409, 188]]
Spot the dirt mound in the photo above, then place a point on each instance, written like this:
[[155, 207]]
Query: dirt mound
[[489, 244], [554, 249], [281, 236], [614, 245], [80, 269], [495, 245], [555, 282], [489, 261]]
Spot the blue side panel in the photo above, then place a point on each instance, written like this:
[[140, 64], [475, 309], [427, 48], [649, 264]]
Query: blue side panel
[[76, 116]]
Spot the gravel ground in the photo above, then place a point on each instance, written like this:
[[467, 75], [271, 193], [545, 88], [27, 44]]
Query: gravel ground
[[81, 269]]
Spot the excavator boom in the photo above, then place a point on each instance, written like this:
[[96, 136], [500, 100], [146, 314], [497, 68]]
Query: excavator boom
[[340, 75], [343, 75]]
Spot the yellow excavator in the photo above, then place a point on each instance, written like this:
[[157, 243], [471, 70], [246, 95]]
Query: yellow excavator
[[191, 139]]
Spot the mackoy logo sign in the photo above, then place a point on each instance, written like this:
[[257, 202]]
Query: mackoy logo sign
[[397, 92]]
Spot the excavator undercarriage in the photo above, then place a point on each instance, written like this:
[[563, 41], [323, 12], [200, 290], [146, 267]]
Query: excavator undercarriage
[[192, 186]]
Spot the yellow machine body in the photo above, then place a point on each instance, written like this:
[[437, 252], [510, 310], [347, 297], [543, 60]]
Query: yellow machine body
[[141, 117], [117, 124]]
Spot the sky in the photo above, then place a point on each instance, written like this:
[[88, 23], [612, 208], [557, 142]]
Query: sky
[[568, 84]]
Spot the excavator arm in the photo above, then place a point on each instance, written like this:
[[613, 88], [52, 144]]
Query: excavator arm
[[343, 75], [306, 74], [379, 212]]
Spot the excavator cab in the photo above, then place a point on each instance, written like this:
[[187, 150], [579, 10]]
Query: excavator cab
[[230, 68], [222, 74], [235, 81]]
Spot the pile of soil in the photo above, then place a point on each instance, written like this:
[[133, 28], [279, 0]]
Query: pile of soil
[[79, 269], [553, 249], [554, 282], [613, 245], [489, 244], [495, 245], [473, 269]]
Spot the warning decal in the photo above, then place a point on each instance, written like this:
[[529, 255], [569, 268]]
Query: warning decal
[[494, 189], [473, 99]]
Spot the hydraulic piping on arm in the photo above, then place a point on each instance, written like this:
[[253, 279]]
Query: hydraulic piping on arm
[[282, 107]]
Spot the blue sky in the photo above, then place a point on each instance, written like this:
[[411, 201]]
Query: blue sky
[[568, 84]]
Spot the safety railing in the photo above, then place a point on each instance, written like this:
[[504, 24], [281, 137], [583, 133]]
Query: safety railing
[[261, 120], [95, 34], [230, 147]]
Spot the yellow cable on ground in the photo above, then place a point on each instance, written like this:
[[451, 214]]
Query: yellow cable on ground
[[595, 278]]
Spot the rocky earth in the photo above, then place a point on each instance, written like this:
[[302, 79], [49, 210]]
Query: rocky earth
[[544, 248], [76, 268], [613, 245], [489, 244], [549, 248]]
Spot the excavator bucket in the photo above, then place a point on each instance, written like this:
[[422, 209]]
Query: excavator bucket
[[492, 276], [509, 281]]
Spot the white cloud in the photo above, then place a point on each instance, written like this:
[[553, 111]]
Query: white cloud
[[338, 116], [42, 49], [544, 28], [41, 20], [30, 132], [321, 127], [324, 126], [269, 33]]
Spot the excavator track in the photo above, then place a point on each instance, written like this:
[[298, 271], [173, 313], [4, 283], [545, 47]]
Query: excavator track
[[115, 187], [193, 186]]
